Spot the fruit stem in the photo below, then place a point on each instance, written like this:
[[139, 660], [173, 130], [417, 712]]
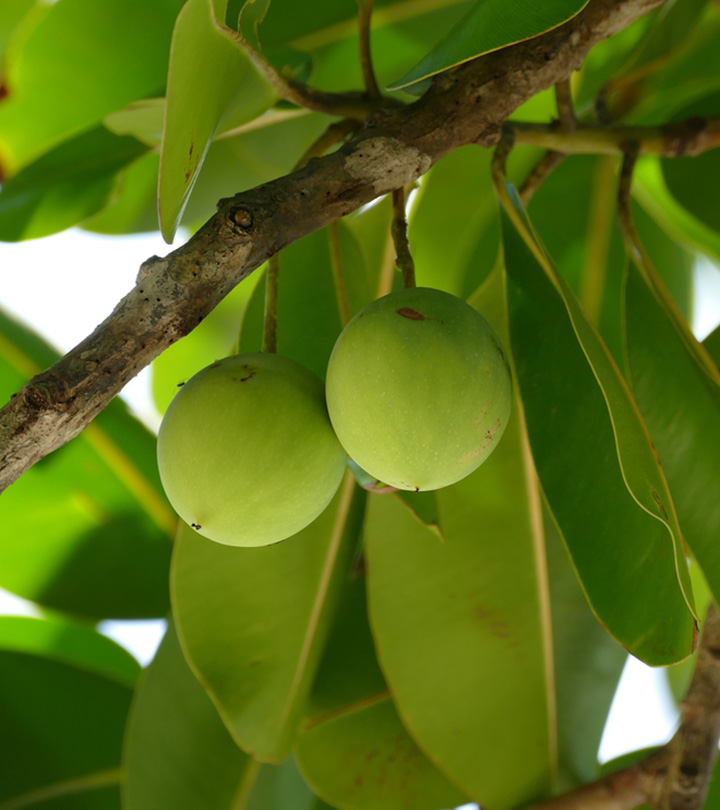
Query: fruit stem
[[403, 257], [338, 274], [364, 15], [272, 276]]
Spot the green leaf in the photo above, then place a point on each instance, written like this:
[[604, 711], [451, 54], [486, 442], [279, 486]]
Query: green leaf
[[670, 26], [308, 309], [177, 752], [650, 189], [210, 75], [587, 665], [253, 621], [489, 26], [132, 208], [141, 119], [353, 748], [79, 61], [62, 723], [70, 643], [88, 529], [574, 214], [680, 403], [11, 14], [597, 469], [256, 153], [497, 604], [459, 261], [65, 186]]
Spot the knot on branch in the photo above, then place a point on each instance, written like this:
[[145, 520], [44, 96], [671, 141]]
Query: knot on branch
[[242, 218]]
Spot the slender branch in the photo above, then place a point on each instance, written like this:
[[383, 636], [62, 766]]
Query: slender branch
[[348, 105], [364, 16], [173, 294], [684, 139], [563, 100], [540, 171], [403, 257]]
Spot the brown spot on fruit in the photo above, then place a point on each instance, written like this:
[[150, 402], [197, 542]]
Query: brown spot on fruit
[[412, 314]]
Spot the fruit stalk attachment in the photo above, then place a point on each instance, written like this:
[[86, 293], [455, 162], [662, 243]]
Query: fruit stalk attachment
[[403, 258], [272, 278]]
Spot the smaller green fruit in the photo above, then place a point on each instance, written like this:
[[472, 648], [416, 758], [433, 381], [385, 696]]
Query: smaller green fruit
[[246, 452], [418, 389]]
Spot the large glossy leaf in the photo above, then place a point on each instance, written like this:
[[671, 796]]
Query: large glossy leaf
[[62, 720], [177, 752], [574, 214], [253, 621], [597, 469], [178, 755], [79, 62], [88, 529], [690, 179], [489, 26], [681, 406], [651, 190], [353, 748], [210, 75], [471, 613], [267, 149], [670, 26], [132, 208], [690, 75], [11, 13], [64, 186]]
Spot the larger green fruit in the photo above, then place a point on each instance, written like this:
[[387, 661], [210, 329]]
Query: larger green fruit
[[418, 389], [246, 451]]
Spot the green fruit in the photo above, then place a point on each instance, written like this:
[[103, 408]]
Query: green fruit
[[246, 452], [418, 389]]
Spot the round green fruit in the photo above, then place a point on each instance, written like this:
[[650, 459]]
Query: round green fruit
[[246, 452], [418, 389]]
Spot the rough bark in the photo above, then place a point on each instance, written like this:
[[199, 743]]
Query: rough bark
[[173, 294]]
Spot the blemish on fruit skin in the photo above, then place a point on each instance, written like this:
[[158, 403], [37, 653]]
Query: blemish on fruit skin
[[196, 526], [414, 315]]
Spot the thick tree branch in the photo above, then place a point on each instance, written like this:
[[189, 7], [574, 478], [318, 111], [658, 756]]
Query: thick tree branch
[[173, 294]]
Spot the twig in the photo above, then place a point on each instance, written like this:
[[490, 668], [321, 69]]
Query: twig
[[173, 294], [347, 105], [364, 16], [563, 100], [540, 171], [686, 138], [403, 258]]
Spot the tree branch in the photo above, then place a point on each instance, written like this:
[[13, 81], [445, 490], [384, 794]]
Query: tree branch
[[683, 139], [173, 294]]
